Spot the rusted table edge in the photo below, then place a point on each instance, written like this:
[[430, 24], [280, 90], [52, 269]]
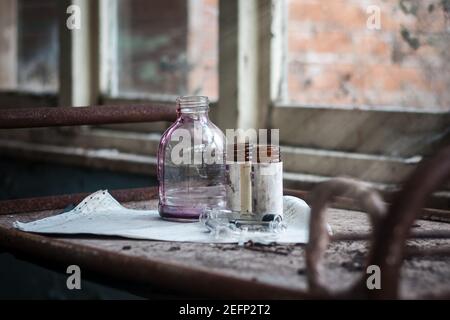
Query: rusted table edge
[[436, 207], [180, 278], [29, 205], [154, 272]]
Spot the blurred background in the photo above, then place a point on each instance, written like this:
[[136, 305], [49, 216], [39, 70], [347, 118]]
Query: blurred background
[[333, 56], [357, 87]]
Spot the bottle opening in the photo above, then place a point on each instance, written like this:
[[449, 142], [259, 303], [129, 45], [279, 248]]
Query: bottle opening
[[192, 103]]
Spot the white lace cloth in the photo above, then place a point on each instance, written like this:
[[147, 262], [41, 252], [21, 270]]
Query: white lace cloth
[[101, 214]]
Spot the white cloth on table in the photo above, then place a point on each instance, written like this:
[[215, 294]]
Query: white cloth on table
[[101, 214]]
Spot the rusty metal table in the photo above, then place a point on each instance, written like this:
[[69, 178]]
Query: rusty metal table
[[228, 271]]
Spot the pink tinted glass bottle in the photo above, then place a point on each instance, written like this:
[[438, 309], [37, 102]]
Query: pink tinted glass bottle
[[191, 163]]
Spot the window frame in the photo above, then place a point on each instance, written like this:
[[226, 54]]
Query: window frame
[[249, 95]]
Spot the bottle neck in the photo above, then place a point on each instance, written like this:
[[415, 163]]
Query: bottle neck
[[195, 107]]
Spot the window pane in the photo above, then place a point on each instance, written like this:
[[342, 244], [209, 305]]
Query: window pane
[[339, 56], [8, 45], [28, 45], [168, 47], [37, 45]]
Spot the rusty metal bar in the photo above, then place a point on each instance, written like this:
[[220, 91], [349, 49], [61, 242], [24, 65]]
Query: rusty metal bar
[[26, 205], [371, 203], [389, 246], [441, 251], [388, 249], [92, 115], [434, 213], [415, 234], [61, 201]]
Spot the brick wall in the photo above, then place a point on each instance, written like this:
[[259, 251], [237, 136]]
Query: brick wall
[[334, 59], [203, 48]]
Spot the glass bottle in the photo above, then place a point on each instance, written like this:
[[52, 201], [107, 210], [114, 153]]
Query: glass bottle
[[191, 163]]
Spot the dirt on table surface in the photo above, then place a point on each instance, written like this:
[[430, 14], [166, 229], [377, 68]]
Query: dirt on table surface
[[281, 265]]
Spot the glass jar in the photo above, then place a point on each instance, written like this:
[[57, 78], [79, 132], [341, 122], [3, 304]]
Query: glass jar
[[191, 163], [268, 181]]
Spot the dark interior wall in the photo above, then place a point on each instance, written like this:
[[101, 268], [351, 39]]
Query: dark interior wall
[[22, 179], [24, 280], [18, 179]]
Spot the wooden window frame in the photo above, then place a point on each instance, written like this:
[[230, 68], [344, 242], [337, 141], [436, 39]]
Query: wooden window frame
[[319, 141]]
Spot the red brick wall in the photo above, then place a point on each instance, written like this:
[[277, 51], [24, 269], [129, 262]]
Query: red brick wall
[[203, 48], [334, 59]]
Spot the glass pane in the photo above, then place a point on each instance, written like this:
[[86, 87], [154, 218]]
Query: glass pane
[[339, 54], [8, 48], [37, 45], [168, 47]]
